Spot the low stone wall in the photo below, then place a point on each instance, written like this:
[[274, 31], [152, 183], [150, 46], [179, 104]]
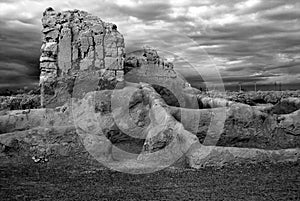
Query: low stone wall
[[203, 156], [241, 126]]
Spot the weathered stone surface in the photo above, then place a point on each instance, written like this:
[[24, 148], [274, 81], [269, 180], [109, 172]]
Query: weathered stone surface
[[256, 98], [75, 42], [242, 126], [45, 58], [104, 124], [84, 83], [45, 142], [120, 75], [48, 29], [51, 36], [49, 66], [113, 63], [65, 51], [147, 66], [104, 115], [151, 55], [99, 46], [50, 47], [167, 140], [19, 102], [18, 120], [62, 93], [208, 102], [87, 62], [286, 106], [121, 51], [202, 156], [290, 124], [111, 52]]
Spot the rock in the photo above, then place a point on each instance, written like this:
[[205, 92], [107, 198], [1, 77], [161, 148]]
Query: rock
[[286, 106], [241, 125], [51, 35], [253, 98], [207, 102], [151, 55], [19, 102], [76, 43], [50, 47], [65, 51], [207, 156], [41, 141], [84, 83], [128, 113], [19, 120], [131, 62], [120, 75], [46, 59], [290, 124], [167, 141], [97, 125], [147, 66]]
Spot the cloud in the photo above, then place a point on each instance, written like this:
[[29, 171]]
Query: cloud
[[284, 16], [239, 39], [19, 53], [147, 11]]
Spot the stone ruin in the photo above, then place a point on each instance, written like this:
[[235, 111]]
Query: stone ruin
[[147, 66], [79, 50], [81, 53], [84, 57]]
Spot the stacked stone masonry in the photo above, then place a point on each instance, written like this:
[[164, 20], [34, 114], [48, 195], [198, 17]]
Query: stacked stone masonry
[[76, 44], [147, 66]]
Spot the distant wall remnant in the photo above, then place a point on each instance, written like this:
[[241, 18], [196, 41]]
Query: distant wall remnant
[[80, 53], [147, 66]]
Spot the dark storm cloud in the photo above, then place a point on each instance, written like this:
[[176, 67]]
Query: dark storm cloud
[[230, 80], [147, 12], [273, 32], [250, 68], [19, 55], [249, 40], [16, 75], [287, 67], [240, 39], [294, 15]]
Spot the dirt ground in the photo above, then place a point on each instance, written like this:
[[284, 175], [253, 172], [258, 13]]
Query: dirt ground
[[75, 179]]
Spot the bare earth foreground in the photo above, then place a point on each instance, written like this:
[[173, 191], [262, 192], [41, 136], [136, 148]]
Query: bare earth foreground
[[77, 179]]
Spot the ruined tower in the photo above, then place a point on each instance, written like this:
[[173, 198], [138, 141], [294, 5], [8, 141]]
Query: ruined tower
[[80, 53]]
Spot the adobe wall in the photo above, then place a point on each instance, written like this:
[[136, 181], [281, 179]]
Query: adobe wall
[[79, 53]]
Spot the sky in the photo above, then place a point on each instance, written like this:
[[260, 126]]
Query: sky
[[240, 41]]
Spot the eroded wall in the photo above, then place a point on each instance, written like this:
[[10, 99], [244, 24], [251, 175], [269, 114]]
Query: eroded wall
[[79, 53]]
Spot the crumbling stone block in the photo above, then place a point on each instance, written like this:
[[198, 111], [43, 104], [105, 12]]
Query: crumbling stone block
[[147, 66], [77, 46]]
